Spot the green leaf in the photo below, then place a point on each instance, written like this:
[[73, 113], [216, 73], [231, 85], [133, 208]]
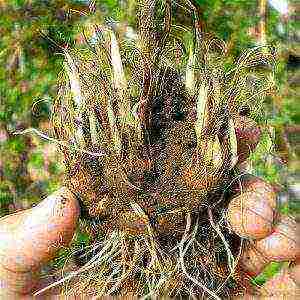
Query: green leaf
[[270, 270]]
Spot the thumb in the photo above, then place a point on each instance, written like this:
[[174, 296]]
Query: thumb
[[32, 237]]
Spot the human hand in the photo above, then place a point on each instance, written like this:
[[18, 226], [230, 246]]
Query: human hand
[[31, 238], [282, 244]]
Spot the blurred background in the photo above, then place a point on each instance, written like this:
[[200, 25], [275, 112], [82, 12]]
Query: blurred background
[[33, 32]]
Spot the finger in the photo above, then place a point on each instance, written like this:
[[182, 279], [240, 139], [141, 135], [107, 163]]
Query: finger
[[285, 284], [30, 238], [253, 261], [281, 285], [250, 212], [295, 271], [284, 242]]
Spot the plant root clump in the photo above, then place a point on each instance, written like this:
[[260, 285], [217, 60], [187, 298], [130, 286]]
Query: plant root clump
[[151, 143]]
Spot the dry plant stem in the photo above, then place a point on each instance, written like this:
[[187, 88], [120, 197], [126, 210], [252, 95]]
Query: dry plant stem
[[166, 31], [144, 110], [119, 78], [147, 40], [198, 26], [146, 27], [59, 143], [262, 23], [151, 48], [237, 83]]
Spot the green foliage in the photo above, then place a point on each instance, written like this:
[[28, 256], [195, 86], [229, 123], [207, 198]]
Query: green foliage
[[32, 33], [5, 197], [263, 163], [36, 160], [227, 20], [270, 270]]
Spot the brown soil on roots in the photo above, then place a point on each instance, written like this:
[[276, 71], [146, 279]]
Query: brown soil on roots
[[152, 172]]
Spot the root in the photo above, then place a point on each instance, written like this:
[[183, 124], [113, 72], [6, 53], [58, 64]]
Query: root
[[130, 99], [153, 270]]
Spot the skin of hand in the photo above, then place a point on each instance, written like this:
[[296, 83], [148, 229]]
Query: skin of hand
[[31, 238]]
